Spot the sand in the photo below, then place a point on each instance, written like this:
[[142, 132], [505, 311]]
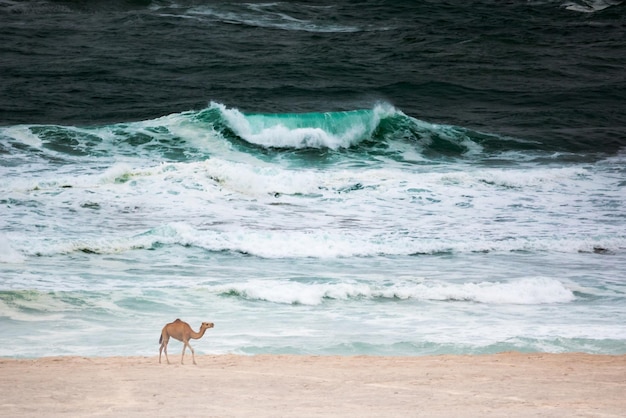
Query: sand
[[507, 384]]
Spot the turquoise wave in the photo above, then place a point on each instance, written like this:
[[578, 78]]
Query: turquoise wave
[[332, 130], [381, 131]]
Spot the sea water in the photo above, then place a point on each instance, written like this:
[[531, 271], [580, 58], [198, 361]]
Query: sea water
[[421, 195]]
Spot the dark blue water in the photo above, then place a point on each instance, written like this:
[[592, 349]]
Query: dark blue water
[[541, 70]]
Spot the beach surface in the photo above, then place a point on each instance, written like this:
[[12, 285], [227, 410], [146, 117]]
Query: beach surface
[[506, 384]]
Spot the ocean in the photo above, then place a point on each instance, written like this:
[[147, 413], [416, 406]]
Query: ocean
[[327, 178]]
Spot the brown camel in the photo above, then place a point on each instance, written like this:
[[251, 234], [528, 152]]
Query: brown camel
[[182, 332]]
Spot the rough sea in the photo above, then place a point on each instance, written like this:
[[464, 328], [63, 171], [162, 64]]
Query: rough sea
[[346, 177]]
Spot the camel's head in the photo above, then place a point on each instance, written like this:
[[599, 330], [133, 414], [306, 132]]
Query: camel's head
[[206, 325]]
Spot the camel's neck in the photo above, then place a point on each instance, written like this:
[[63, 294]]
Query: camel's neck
[[197, 335]]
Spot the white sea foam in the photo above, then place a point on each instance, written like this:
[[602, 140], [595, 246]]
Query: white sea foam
[[310, 243], [524, 291], [271, 131], [31, 306], [263, 15], [117, 172], [275, 212], [7, 253], [590, 6], [23, 134]]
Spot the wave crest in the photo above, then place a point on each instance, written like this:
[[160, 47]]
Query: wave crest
[[524, 291], [332, 130], [381, 132]]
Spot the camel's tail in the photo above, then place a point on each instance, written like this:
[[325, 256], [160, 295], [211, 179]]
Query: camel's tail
[[161, 339]]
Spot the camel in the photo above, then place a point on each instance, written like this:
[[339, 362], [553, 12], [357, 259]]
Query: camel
[[181, 331]]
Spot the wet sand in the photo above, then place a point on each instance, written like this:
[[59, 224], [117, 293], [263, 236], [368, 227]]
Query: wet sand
[[507, 384]]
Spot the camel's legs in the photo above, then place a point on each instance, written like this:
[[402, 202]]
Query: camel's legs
[[193, 353], [182, 357], [166, 357], [164, 348]]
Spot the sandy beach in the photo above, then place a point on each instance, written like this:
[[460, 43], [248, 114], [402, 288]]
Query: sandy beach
[[507, 384]]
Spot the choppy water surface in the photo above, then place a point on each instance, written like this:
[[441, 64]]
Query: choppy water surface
[[342, 178]]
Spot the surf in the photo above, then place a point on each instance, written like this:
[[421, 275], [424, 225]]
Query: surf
[[381, 133], [332, 130]]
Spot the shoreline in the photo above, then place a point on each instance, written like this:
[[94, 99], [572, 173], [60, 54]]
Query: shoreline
[[511, 384]]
